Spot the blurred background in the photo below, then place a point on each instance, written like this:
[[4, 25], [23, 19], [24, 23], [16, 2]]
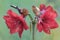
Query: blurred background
[[4, 31]]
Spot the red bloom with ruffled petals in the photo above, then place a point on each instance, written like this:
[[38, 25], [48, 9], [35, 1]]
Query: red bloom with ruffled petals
[[15, 23], [47, 19]]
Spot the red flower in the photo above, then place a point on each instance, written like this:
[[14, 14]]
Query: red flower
[[47, 19], [15, 23]]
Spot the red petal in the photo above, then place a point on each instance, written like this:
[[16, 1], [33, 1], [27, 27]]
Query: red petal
[[39, 27], [21, 18], [50, 12], [42, 6], [8, 21], [8, 25], [23, 22], [11, 24], [12, 31], [49, 8], [20, 31], [5, 17], [54, 14], [12, 27], [25, 26], [49, 15], [12, 14], [52, 24], [46, 28]]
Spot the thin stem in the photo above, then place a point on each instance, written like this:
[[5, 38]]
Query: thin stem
[[33, 31], [33, 27]]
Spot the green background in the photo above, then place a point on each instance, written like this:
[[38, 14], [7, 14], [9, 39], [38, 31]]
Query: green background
[[4, 31]]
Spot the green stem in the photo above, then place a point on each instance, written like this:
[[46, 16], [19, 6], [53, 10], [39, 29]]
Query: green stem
[[33, 34], [33, 27], [33, 31]]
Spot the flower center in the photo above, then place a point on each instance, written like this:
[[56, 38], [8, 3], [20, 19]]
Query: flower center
[[42, 12]]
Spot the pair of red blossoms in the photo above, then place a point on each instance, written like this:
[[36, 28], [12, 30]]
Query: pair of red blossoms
[[16, 23]]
